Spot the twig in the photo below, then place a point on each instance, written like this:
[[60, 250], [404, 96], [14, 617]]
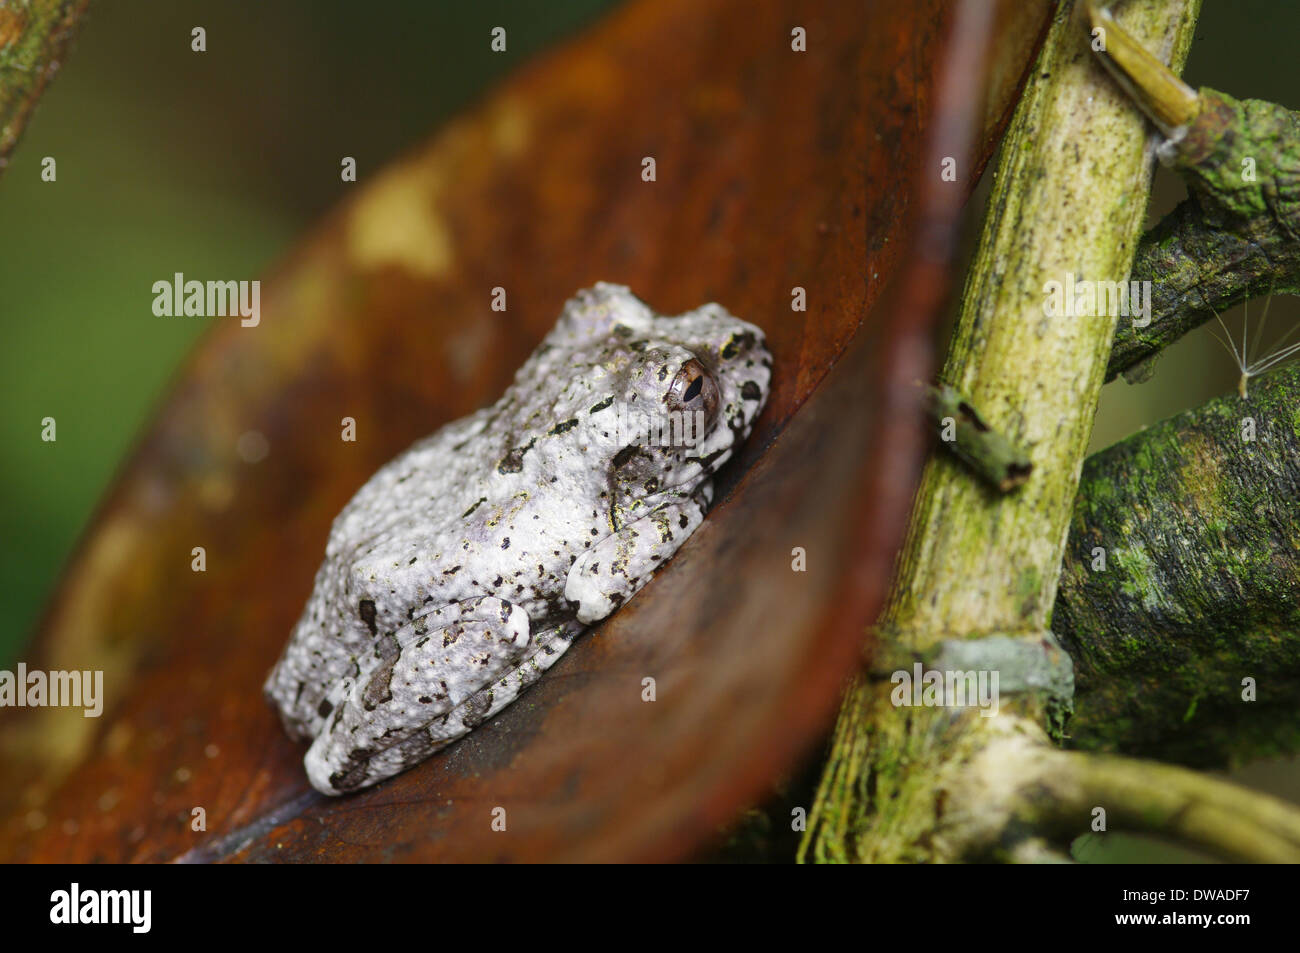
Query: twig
[[1017, 782], [1237, 235], [989, 454], [34, 36]]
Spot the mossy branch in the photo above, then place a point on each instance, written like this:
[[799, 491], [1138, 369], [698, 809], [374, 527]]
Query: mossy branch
[[1182, 578], [1067, 200], [1238, 233], [34, 35], [1236, 236]]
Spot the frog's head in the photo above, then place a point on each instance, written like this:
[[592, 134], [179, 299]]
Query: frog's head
[[684, 389]]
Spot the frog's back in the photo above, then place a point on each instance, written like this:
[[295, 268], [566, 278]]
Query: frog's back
[[460, 514]]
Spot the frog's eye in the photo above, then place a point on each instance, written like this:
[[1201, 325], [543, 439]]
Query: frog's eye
[[693, 389]]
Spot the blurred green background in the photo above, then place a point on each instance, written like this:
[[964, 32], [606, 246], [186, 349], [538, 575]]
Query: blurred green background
[[204, 163], [211, 164]]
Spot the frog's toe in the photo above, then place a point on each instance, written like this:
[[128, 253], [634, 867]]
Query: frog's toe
[[586, 589]]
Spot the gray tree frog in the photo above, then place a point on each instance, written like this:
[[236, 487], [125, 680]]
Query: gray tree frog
[[466, 566]]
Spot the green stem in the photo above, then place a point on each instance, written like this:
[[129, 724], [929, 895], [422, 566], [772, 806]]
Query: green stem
[[1063, 793], [1067, 200]]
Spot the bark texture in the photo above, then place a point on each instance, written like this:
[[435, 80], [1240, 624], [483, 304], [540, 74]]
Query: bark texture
[[1182, 578]]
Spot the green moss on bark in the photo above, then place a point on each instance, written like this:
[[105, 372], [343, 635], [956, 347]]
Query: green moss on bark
[[1201, 586]]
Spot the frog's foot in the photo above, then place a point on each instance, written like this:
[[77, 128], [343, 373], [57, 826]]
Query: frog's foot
[[445, 658], [486, 703], [614, 570]]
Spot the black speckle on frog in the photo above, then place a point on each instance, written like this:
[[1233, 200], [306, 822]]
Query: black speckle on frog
[[513, 462], [366, 609]]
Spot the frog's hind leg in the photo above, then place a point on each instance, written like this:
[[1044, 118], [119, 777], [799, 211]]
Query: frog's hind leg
[[395, 760], [386, 720], [475, 710]]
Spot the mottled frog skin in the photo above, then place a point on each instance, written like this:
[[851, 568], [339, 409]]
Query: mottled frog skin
[[467, 565]]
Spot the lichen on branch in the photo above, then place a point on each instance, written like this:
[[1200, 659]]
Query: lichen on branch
[[1181, 581]]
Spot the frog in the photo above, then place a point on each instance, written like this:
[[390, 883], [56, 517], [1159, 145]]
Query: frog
[[466, 566]]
